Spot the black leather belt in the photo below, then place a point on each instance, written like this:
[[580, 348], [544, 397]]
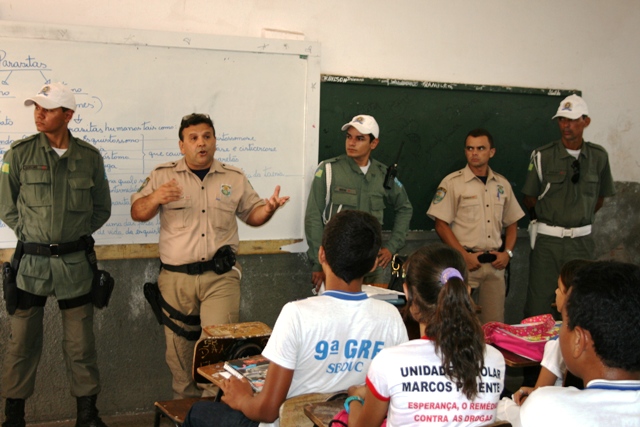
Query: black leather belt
[[194, 268], [485, 257], [54, 249], [222, 262]]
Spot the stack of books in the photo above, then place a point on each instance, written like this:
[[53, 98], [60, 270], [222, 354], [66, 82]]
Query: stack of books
[[253, 368]]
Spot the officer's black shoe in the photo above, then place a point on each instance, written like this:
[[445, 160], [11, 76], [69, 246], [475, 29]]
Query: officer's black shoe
[[88, 413], [14, 413]]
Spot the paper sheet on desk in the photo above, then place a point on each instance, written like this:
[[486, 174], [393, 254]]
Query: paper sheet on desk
[[382, 293]]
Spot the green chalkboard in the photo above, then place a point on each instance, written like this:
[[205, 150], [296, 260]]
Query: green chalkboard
[[432, 120]]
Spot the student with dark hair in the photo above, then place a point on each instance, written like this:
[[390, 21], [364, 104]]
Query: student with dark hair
[[319, 344], [449, 376], [553, 368], [599, 343]]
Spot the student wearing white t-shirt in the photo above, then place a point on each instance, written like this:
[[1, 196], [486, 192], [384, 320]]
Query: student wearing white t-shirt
[[553, 368], [319, 344], [449, 376], [599, 344]]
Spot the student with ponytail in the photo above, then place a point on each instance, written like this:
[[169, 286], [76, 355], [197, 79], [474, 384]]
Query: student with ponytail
[[448, 377]]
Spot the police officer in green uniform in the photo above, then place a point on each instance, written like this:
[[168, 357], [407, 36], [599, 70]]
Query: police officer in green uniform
[[54, 194], [356, 181], [565, 186]]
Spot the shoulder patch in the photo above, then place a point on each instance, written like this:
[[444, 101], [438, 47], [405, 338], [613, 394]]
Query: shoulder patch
[[439, 196], [144, 184], [5, 167], [319, 173]]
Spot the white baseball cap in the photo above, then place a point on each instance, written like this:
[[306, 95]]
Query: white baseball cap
[[364, 124], [572, 107], [53, 95]]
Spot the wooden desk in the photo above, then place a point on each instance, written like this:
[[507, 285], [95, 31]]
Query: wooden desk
[[515, 360], [322, 413], [213, 373]]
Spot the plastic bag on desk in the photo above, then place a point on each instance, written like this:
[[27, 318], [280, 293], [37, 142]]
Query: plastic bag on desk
[[526, 339]]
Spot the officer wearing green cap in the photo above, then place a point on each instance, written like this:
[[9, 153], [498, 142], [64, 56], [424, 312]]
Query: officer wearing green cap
[[565, 186]]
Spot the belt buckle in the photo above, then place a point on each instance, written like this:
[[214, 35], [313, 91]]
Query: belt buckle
[[53, 249], [195, 269], [567, 232]]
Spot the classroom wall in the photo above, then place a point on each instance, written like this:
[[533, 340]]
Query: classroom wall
[[588, 45]]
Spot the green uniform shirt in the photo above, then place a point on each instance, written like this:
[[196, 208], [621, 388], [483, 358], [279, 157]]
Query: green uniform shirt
[[48, 199], [351, 189], [566, 204]]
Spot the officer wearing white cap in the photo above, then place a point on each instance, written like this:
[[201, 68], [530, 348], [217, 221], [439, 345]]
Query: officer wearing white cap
[[54, 194], [356, 181], [565, 186]]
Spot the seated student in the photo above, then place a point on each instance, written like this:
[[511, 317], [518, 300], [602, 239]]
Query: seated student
[[319, 344], [599, 343], [447, 378], [553, 368]]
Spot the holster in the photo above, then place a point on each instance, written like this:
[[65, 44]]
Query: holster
[[9, 287], [102, 284], [154, 297], [224, 260], [101, 288]]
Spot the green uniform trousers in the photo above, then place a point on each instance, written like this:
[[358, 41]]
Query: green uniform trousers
[[546, 260], [25, 348]]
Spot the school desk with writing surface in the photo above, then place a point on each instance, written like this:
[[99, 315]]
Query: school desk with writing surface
[[321, 413], [515, 360]]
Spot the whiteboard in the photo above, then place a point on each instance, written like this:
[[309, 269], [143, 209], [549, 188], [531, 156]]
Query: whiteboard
[[132, 88]]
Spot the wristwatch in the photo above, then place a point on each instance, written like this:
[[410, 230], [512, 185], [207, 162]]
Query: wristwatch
[[508, 251], [351, 399]]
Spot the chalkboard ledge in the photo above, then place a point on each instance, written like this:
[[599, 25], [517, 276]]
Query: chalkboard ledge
[[133, 251]]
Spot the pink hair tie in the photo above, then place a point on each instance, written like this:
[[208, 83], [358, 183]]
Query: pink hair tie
[[448, 273]]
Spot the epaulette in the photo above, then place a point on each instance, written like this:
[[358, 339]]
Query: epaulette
[[232, 168], [379, 165], [331, 160], [85, 144], [596, 146], [546, 147], [166, 165], [22, 141]]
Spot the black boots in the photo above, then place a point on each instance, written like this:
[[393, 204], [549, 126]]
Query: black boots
[[14, 413], [87, 412]]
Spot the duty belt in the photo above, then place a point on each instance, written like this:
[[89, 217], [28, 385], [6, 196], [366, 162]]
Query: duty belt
[[194, 268], [551, 230], [54, 250]]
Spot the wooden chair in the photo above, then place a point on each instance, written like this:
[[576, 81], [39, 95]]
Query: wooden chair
[[224, 342]]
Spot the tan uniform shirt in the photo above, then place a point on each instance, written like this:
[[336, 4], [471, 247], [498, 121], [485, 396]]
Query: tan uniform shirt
[[476, 212], [193, 228]]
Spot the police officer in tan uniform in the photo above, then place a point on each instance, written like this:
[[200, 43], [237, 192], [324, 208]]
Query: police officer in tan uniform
[[471, 207], [198, 199]]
